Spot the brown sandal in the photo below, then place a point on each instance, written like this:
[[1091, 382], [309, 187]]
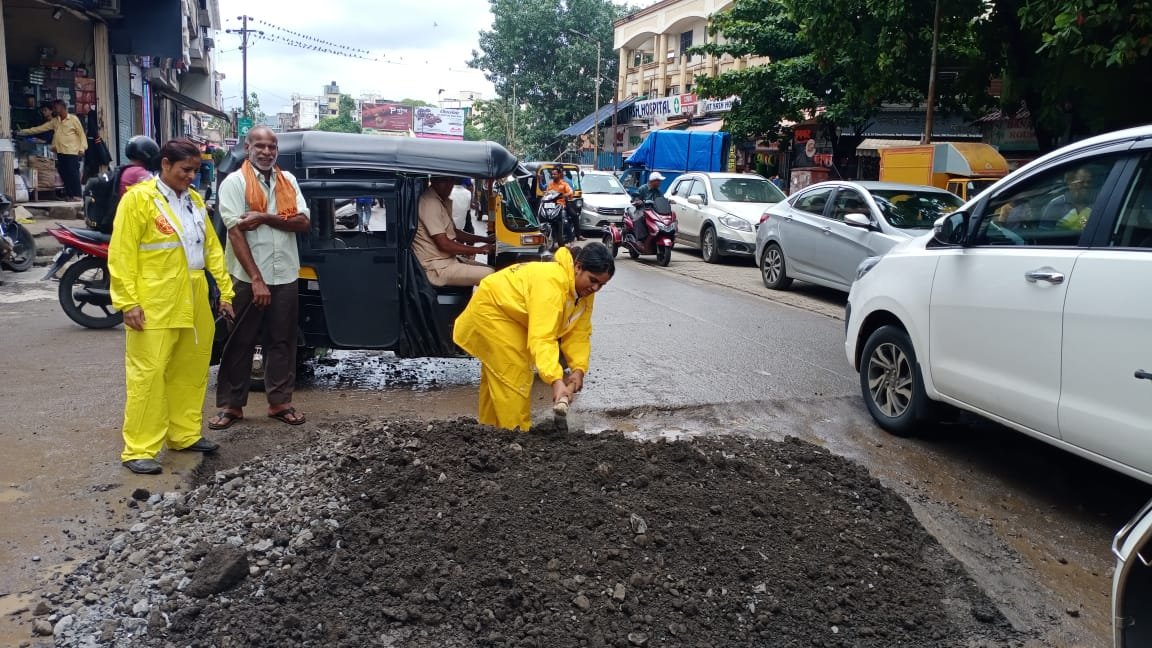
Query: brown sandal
[[288, 416], [224, 420]]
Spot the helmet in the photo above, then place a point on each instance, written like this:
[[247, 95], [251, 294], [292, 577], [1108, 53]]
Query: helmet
[[142, 148], [656, 175]]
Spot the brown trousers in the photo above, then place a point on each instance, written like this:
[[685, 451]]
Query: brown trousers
[[274, 327]]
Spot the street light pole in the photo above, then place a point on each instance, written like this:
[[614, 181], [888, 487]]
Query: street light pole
[[596, 109]]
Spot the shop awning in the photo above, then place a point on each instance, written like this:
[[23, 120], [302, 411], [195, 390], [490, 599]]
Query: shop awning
[[587, 123], [707, 127], [873, 143], [190, 103]]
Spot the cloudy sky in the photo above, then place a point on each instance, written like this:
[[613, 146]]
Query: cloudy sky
[[422, 47]]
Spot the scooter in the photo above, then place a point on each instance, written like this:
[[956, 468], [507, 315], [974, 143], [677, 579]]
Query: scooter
[[550, 215], [660, 221], [85, 292], [17, 247]]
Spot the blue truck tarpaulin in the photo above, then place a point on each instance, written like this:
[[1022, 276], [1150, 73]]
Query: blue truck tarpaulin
[[681, 151]]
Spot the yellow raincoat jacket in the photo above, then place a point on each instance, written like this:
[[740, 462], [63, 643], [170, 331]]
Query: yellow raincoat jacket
[[522, 317], [166, 363], [146, 260]]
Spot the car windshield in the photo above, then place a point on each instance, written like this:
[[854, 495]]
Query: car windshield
[[602, 184], [750, 189], [914, 209]]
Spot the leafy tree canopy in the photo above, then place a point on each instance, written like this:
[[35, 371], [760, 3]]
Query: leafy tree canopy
[[543, 72], [343, 122], [842, 69]]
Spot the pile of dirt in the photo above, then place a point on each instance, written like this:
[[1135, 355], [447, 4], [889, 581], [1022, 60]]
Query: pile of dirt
[[454, 534]]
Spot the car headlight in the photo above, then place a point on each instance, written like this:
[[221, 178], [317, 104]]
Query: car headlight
[[866, 266], [733, 222]]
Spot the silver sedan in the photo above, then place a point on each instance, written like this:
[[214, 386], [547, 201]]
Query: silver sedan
[[823, 232]]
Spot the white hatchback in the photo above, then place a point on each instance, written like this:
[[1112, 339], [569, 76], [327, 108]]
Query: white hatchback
[[719, 212], [1031, 306]]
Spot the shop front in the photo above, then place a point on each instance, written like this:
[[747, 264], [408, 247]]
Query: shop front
[[52, 53]]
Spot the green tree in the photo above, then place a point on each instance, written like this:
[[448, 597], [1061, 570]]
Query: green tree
[[842, 69], [258, 116], [416, 102], [343, 122], [1073, 63], [543, 72]]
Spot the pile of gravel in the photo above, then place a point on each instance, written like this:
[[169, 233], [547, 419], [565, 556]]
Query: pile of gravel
[[454, 534]]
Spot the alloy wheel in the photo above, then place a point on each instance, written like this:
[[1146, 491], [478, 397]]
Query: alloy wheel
[[890, 380], [772, 266]]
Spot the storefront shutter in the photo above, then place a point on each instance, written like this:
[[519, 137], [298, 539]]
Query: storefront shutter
[[124, 128]]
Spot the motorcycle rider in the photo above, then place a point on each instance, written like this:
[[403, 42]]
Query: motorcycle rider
[[142, 152], [644, 194], [561, 186]]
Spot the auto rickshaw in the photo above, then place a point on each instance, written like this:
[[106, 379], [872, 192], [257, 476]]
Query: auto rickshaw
[[541, 175], [361, 287]]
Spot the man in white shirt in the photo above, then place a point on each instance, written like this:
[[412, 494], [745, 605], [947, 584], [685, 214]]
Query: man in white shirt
[[264, 210]]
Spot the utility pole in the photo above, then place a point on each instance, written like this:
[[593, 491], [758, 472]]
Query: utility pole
[[596, 113], [930, 113], [244, 31]]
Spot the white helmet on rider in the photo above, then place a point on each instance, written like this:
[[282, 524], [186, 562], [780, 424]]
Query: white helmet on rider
[[656, 175]]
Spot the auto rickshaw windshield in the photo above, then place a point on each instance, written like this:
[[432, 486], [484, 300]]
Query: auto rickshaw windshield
[[518, 214]]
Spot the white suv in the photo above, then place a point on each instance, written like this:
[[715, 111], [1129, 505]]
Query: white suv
[[1031, 306]]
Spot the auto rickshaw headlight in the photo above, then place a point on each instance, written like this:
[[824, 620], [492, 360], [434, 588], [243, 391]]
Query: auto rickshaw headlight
[[531, 239]]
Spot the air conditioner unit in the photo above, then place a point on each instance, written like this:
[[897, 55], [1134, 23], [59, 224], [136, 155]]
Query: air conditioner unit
[[209, 43]]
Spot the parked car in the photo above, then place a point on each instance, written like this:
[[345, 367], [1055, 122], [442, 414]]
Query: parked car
[[1027, 306], [820, 234], [718, 212], [605, 200]]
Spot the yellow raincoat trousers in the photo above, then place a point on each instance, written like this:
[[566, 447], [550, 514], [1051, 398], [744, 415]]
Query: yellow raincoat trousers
[[522, 317], [166, 364]]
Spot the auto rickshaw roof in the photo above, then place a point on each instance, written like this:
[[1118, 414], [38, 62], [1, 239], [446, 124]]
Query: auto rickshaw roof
[[301, 150]]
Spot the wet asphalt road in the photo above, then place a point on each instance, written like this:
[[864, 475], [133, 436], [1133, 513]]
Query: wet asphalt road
[[686, 350]]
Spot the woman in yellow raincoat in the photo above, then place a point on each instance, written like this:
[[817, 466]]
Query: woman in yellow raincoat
[[525, 316], [162, 242]]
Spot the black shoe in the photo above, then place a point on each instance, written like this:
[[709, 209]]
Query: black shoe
[[201, 445], [144, 466]]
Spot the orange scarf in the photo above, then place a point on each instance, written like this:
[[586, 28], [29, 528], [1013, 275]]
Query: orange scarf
[[256, 198]]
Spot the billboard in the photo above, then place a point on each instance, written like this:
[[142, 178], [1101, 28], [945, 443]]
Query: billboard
[[386, 116], [439, 123]]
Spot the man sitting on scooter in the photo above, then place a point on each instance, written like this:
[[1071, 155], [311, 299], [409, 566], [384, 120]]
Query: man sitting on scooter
[[647, 193]]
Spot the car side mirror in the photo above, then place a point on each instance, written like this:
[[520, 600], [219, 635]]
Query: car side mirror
[[696, 200], [858, 220], [951, 229]]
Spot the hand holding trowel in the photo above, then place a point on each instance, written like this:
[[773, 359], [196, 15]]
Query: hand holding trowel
[[563, 392]]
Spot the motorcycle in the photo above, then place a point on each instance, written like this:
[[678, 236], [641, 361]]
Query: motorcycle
[[17, 247], [660, 222], [85, 291], [550, 215]]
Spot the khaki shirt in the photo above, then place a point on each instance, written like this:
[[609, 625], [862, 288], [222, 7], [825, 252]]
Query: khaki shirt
[[68, 136], [435, 218], [273, 250]]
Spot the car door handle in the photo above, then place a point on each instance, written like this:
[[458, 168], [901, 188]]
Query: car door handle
[[1143, 375], [1044, 274]]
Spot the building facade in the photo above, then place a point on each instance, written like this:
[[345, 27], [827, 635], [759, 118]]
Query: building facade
[[305, 111], [653, 44], [126, 67]]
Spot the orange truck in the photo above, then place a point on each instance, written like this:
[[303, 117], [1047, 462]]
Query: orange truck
[[964, 168]]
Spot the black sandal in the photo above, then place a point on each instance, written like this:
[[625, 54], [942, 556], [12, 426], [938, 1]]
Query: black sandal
[[288, 416]]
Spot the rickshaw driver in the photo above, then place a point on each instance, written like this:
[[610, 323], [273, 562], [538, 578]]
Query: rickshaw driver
[[438, 244]]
